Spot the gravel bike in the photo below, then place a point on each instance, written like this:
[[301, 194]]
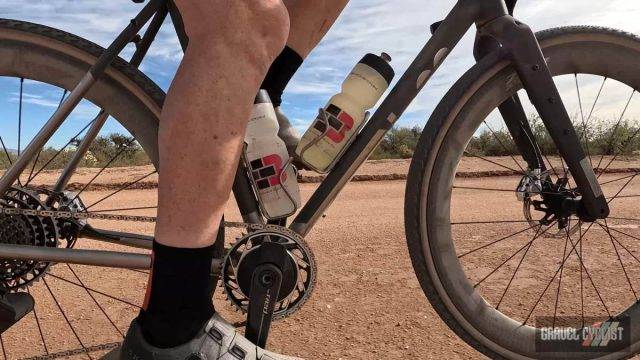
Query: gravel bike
[[548, 246]]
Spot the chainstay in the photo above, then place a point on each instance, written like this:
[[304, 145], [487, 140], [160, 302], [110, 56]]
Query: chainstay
[[114, 217]]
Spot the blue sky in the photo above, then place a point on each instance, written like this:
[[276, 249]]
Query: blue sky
[[399, 28]]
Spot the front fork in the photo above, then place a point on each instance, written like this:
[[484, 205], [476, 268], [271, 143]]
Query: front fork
[[520, 45], [513, 113]]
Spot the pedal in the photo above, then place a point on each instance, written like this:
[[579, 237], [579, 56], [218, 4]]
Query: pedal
[[13, 307]]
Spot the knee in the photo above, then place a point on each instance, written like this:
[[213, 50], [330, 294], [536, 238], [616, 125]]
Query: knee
[[260, 27]]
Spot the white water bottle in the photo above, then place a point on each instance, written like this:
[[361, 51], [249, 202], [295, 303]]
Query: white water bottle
[[273, 176], [340, 121]]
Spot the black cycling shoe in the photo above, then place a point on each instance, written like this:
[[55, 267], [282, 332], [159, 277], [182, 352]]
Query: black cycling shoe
[[218, 340]]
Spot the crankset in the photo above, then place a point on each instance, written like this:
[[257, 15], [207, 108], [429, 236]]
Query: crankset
[[298, 274]]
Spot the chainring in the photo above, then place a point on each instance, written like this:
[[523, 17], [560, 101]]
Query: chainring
[[235, 271]]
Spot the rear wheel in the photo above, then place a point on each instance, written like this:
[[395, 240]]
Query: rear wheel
[[493, 251], [79, 309]]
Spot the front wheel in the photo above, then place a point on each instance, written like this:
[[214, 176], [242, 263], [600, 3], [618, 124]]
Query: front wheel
[[500, 258]]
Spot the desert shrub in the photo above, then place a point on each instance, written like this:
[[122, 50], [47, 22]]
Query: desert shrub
[[100, 154], [398, 143]]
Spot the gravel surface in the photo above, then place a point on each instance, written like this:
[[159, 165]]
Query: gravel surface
[[367, 303]]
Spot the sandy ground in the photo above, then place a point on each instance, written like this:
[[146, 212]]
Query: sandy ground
[[468, 165], [367, 303]]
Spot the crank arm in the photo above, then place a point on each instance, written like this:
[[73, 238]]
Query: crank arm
[[265, 288], [522, 47]]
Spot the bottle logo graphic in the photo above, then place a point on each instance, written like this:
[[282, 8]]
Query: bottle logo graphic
[[339, 123], [266, 171]]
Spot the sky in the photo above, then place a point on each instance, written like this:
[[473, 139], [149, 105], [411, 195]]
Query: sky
[[400, 28]]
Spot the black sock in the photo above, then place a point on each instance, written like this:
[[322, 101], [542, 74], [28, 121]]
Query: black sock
[[179, 301], [280, 73]]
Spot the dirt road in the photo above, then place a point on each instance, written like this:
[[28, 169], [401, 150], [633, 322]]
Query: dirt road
[[367, 303]]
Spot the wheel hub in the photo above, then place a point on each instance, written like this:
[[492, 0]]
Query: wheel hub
[[558, 203]]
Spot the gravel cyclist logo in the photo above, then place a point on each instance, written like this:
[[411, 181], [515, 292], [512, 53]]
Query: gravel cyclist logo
[[602, 336]]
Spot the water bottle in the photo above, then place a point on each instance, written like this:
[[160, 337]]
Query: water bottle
[[272, 175], [340, 120]]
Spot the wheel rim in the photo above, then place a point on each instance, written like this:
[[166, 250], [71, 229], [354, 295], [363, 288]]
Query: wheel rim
[[473, 307], [80, 309]]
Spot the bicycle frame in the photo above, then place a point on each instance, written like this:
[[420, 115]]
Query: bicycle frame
[[518, 45]]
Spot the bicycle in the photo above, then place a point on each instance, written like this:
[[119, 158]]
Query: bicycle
[[562, 191]]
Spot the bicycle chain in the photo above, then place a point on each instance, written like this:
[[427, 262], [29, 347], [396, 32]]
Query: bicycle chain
[[135, 218], [68, 353]]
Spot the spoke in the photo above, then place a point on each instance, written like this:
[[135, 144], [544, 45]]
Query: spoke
[[497, 241], [139, 271], [59, 152], [581, 277], [617, 179], [6, 152], [500, 190], [536, 236], [73, 330], [624, 270], [626, 196], [124, 148], [615, 129], [517, 268], [622, 218], [503, 146], [584, 123], [481, 188], [493, 162], [489, 222], [555, 307], [621, 148], [624, 233], [553, 169], [20, 116], [35, 315], [586, 271], [124, 187], [95, 301], [94, 290], [556, 273], [33, 166], [622, 188], [624, 247], [87, 350]]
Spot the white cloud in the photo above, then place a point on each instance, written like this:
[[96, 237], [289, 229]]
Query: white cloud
[[398, 27]]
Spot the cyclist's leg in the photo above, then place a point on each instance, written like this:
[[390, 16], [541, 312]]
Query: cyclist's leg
[[232, 44], [310, 21]]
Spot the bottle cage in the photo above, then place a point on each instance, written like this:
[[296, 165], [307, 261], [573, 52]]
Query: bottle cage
[[323, 116]]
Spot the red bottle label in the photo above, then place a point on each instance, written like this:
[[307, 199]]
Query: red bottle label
[[339, 123], [266, 171]]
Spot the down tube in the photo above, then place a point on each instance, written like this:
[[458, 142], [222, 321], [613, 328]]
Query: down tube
[[412, 81]]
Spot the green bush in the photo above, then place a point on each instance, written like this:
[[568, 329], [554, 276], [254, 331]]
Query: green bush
[[111, 151], [398, 143]]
